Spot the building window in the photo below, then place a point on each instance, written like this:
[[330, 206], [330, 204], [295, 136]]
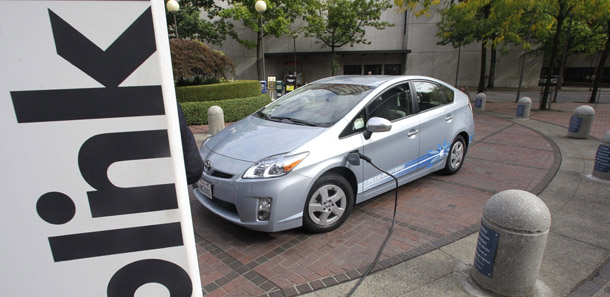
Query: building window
[[373, 69], [352, 69], [391, 69]]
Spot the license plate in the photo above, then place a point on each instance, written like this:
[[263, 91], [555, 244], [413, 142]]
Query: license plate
[[205, 188]]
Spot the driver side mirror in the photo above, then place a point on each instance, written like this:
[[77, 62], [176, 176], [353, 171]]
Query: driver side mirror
[[377, 124]]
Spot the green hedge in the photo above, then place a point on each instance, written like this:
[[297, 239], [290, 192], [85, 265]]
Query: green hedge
[[221, 91], [196, 113]]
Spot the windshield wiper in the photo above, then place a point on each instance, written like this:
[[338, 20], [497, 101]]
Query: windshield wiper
[[293, 120], [262, 115]]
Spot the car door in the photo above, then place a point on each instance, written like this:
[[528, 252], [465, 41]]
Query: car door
[[395, 151], [436, 124]]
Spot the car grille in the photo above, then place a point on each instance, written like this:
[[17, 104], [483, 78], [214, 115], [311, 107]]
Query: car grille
[[221, 174], [228, 206]]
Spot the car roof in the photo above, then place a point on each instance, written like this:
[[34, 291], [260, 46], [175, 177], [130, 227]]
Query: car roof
[[366, 80]]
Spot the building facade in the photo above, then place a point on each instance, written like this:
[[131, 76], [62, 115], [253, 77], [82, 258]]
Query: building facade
[[408, 47]]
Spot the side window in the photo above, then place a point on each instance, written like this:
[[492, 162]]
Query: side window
[[448, 94], [356, 125], [392, 104], [429, 95]]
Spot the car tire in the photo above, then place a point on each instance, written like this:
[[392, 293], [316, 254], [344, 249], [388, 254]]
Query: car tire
[[328, 203], [456, 155]]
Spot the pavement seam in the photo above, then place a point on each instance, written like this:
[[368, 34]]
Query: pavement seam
[[597, 273], [551, 172]]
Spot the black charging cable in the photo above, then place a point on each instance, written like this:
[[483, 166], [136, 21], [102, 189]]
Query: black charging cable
[[385, 242]]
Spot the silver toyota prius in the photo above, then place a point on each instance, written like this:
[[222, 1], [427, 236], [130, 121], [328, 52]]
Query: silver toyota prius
[[286, 165]]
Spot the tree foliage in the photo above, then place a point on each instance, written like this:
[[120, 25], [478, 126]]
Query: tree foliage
[[336, 23], [193, 61], [198, 19], [278, 17]]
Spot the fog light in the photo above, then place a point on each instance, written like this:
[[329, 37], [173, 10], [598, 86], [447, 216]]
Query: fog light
[[264, 209]]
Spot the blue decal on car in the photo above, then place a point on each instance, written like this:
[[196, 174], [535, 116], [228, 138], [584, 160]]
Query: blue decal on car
[[428, 160]]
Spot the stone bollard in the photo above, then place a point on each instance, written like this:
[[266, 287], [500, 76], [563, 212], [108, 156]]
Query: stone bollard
[[216, 119], [523, 108], [581, 122], [479, 101], [511, 242], [602, 158]]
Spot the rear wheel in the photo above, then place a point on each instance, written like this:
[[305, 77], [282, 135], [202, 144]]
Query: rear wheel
[[455, 159], [328, 204]]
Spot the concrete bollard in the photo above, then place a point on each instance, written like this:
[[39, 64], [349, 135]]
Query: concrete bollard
[[581, 122], [511, 242], [602, 158], [479, 101], [523, 108], [216, 119]]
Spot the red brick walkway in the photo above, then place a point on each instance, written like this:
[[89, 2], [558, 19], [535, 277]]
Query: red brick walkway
[[432, 212]]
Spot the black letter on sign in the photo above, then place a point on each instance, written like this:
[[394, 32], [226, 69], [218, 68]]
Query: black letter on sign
[[112, 242], [84, 104], [128, 279], [120, 59], [109, 67], [100, 151]]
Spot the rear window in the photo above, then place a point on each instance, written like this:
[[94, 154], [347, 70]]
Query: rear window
[[448, 93]]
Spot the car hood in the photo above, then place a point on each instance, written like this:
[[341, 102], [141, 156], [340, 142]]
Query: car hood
[[253, 138]]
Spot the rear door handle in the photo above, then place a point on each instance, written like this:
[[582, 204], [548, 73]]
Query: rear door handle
[[449, 117], [412, 132]]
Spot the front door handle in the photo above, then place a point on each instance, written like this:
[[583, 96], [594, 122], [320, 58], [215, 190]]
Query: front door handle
[[412, 132]]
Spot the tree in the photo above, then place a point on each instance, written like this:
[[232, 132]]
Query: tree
[[559, 10], [466, 22], [336, 23], [601, 17], [194, 61], [278, 17], [192, 25]]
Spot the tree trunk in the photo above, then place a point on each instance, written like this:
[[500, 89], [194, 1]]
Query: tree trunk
[[481, 87], [492, 67], [549, 72], [332, 61], [259, 64], [600, 67]]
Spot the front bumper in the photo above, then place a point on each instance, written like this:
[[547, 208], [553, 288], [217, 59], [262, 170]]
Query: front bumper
[[235, 199]]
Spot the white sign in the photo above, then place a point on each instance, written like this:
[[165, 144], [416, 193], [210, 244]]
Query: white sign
[[94, 195]]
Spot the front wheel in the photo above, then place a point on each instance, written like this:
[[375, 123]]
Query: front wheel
[[455, 159], [328, 204]]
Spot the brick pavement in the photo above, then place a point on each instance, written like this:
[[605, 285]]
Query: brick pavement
[[432, 212]]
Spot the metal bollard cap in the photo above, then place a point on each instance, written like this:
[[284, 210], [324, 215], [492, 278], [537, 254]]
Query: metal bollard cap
[[524, 100], [584, 110], [519, 211], [606, 138], [215, 110]]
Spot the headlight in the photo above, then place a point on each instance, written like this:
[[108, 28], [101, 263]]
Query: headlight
[[275, 166], [204, 141]]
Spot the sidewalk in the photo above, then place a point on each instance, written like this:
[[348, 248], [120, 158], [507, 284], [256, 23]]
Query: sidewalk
[[576, 258], [433, 245]]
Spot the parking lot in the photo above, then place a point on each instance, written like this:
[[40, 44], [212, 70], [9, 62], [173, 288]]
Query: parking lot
[[432, 212]]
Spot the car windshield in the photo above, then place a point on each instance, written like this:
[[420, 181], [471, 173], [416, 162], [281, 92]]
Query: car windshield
[[315, 104]]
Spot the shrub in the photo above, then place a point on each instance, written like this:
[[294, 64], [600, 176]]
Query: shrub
[[196, 113], [193, 60], [221, 91]]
